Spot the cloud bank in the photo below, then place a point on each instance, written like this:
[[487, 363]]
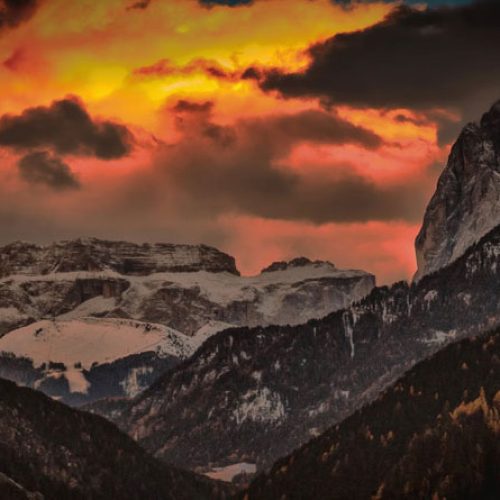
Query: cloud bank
[[414, 59]]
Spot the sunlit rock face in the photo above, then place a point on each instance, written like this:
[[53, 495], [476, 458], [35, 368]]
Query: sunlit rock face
[[466, 204]]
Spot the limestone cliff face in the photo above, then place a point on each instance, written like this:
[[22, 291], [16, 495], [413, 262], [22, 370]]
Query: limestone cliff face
[[185, 288], [91, 254], [466, 204]]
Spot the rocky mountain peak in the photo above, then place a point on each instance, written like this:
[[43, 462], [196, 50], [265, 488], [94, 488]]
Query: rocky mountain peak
[[466, 204], [294, 263], [490, 123], [92, 254]]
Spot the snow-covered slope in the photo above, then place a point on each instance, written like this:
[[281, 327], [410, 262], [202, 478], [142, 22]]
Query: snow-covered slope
[[68, 359], [93, 340], [288, 293], [466, 204]]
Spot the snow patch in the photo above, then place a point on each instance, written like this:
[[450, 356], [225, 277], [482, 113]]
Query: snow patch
[[438, 337], [465, 298], [260, 405], [430, 297], [77, 381], [324, 406], [230, 471], [348, 330], [131, 384]]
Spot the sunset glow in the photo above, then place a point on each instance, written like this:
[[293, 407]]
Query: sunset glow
[[183, 80]]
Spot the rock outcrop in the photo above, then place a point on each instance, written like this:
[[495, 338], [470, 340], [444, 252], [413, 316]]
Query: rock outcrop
[[130, 259], [466, 204]]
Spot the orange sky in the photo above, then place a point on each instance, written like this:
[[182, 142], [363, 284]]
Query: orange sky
[[133, 66]]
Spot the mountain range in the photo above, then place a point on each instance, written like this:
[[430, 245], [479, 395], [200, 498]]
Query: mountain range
[[63, 307], [321, 383], [272, 388], [253, 395]]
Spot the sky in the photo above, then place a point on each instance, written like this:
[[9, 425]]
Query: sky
[[268, 128]]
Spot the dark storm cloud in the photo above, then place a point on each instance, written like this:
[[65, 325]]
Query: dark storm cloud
[[320, 127], [255, 187], [316, 126], [15, 12], [226, 3], [184, 105], [140, 5], [67, 128], [444, 57], [165, 68], [250, 177], [40, 167], [431, 3], [144, 4]]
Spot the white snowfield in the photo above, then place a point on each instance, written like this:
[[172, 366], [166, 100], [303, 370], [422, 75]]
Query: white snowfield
[[268, 290], [93, 340]]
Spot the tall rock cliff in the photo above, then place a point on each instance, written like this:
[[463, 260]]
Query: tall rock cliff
[[466, 204], [92, 254]]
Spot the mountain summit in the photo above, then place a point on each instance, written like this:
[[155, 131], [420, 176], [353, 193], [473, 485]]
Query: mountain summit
[[466, 204], [131, 259]]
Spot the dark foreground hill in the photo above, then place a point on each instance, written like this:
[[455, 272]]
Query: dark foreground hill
[[61, 453], [434, 434]]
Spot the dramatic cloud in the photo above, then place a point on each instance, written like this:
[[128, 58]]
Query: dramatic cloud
[[256, 174], [66, 127], [250, 177], [140, 5], [226, 3], [15, 12], [432, 3], [165, 68], [144, 4], [41, 167], [183, 105], [419, 59]]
